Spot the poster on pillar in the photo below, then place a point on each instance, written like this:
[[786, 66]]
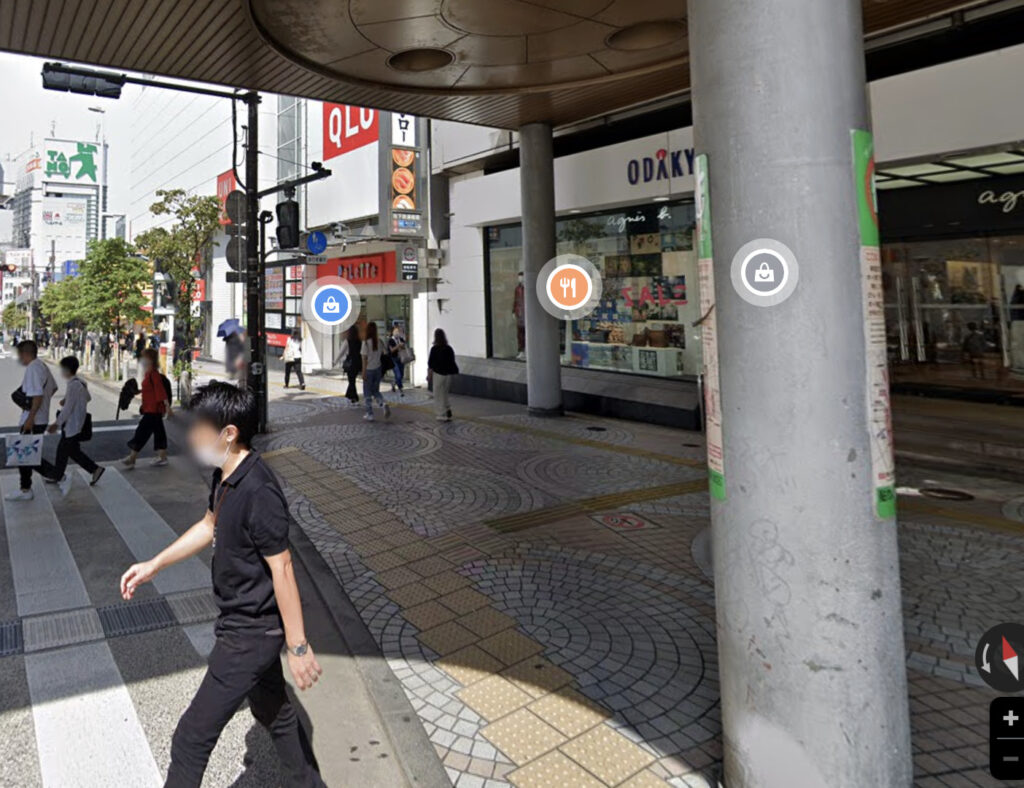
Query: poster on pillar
[[879, 413], [709, 333]]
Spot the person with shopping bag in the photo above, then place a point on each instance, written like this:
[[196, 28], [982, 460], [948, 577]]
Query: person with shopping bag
[[34, 395]]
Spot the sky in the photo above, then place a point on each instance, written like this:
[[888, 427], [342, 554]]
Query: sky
[[27, 113]]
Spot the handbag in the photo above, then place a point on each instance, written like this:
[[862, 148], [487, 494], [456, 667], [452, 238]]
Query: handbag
[[85, 434], [405, 354], [25, 450], [21, 399]]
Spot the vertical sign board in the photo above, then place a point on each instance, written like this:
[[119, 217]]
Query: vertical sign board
[[402, 192], [709, 333], [877, 370], [226, 184]]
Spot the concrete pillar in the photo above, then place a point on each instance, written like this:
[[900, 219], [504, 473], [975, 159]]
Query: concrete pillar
[[810, 635], [537, 184]]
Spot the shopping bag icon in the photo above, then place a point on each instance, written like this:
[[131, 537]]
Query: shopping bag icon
[[331, 306], [764, 273]]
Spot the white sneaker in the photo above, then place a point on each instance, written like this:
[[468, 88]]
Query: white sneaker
[[20, 495], [368, 417], [387, 411], [159, 462], [65, 484]]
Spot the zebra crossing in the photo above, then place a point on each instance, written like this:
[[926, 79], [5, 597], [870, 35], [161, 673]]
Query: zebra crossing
[[83, 701]]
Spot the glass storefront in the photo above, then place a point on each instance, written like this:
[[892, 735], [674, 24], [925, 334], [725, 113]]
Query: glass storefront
[[644, 322], [955, 312]]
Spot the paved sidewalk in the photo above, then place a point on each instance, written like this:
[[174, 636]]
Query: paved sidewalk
[[540, 588]]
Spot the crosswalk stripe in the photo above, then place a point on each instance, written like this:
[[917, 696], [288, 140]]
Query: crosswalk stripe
[[87, 731], [145, 532], [46, 578]]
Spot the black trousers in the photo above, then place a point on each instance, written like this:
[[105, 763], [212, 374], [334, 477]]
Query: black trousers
[[297, 366], [68, 449], [25, 471], [352, 393], [149, 424], [242, 665]]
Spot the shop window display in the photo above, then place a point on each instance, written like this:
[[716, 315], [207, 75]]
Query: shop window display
[[955, 312], [644, 321]]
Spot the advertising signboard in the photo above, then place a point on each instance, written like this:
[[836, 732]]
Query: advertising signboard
[[71, 161]]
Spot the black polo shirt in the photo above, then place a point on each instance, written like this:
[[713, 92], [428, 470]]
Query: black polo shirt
[[251, 521]]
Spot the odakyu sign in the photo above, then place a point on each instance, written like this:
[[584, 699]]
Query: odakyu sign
[[663, 165]]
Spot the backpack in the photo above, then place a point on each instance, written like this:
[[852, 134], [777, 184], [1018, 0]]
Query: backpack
[[167, 387]]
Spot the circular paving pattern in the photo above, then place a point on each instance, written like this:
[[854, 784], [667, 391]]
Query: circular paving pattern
[[347, 445], [484, 436], [432, 498], [591, 472], [645, 655], [572, 428]]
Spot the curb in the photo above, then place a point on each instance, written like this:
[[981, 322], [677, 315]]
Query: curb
[[417, 755]]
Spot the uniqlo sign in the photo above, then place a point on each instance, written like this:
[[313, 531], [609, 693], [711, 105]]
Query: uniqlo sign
[[347, 128]]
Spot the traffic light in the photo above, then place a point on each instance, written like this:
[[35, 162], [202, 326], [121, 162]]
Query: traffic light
[[288, 224], [87, 81]]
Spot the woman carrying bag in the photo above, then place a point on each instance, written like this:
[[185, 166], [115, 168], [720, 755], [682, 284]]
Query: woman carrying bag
[[441, 367]]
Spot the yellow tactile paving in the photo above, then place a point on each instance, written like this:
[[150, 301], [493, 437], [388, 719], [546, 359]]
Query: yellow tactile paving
[[486, 621], [446, 638], [415, 551], [607, 754], [494, 697], [396, 578], [522, 736], [537, 677], [569, 711], [510, 646], [428, 615], [446, 582], [644, 780], [464, 601], [469, 665], [383, 561], [553, 769], [410, 595], [428, 567]]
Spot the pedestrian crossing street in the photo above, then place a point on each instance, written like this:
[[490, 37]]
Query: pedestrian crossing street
[[91, 687]]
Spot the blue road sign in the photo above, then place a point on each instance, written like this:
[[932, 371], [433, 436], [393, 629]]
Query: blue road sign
[[316, 242]]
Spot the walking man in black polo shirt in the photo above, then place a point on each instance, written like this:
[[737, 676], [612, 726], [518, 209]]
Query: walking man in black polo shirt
[[254, 584]]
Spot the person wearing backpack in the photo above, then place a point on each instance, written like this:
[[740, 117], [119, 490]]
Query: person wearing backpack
[[37, 389], [75, 426], [156, 403]]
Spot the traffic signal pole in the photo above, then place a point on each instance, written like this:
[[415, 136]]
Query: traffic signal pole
[[256, 372]]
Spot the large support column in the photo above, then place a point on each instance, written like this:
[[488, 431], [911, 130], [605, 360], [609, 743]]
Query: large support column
[[810, 635], [537, 184]]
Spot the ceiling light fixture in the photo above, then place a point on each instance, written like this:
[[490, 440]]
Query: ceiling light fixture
[[423, 59], [647, 35]]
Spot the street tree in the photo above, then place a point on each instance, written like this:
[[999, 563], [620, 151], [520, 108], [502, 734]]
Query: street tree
[[14, 317], [61, 303], [181, 251], [110, 293]]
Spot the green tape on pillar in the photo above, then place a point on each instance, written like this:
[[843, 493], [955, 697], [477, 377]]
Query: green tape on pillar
[[879, 413]]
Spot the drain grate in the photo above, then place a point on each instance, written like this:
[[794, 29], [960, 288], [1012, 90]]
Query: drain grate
[[130, 619], [10, 638], [193, 607], [56, 630], [597, 429]]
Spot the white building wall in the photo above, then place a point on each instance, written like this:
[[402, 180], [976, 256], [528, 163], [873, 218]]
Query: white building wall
[[920, 115]]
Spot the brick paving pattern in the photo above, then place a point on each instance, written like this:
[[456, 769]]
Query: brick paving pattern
[[536, 587]]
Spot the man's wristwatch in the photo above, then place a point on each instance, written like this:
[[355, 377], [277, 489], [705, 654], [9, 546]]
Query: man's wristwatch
[[300, 650]]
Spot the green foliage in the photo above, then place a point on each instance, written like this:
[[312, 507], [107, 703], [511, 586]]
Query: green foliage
[[109, 294], [61, 303], [14, 317], [182, 248]]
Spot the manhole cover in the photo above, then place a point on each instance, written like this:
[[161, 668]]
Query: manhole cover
[[622, 521], [946, 494], [1014, 509]]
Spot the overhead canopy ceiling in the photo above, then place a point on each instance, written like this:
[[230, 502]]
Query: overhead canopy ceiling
[[493, 62]]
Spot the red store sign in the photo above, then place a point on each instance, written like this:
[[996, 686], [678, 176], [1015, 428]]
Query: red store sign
[[365, 269], [347, 128]]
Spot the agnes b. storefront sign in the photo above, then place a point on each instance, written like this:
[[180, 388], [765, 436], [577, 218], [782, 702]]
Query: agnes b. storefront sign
[[986, 205]]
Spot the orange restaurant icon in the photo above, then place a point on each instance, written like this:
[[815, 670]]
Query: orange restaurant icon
[[569, 287]]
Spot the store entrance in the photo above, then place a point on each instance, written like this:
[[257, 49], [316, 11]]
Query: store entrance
[[386, 311], [951, 315]]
